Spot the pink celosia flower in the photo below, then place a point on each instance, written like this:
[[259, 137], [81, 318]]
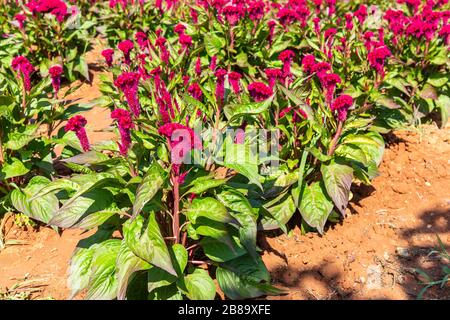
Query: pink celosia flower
[[271, 24], [273, 74], [213, 64], [233, 79], [329, 82], [317, 4], [286, 57], [259, 91], [321, 67], [185, 41], [198, 67], [24, 68], [232, 14], [179, 29], [348, 21], [186, 79], [195, 91], [126, 46], [20, 18], [142, 40], [55, 73], [108, 55], [316, 22], [287, 16], [220, 83], [194, 15], [341, 104], [444, 33], [56, 8], [256, 10], [308, 63], [298, 115], [377, 58], [128, 83], [161, 43], [331, 7], [125, 124], [76, 124], [361, 14]]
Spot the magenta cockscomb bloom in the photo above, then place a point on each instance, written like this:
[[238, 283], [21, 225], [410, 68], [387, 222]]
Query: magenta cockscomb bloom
[[20, 18], [198, 67], [287, 16], [220, 84], [308, 63], [24, 68], [108, 55], [361, 14], [329, 82], [233, 13], [330, 33], [213, 64], [185, 41], [255, 10], [286, 56], [331, 7], [55, 73], [316, 22], [234, 78], [377, 58], [194, 15], [126, 46], [271, 24], [142, 40], [77, 124], [297, 116], [273, 74], [259, 91], [348, 21], [444, 33], [179, 29], [125, 124], [56, 8], [195, 91], [128, 83], [341, 104], [317, 5], [161, 44], [321, 67]]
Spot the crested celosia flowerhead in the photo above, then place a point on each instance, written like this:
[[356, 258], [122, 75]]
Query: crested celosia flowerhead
[[24, 68], [259, 91], [255, 10], [377, 58], [286, 57], [126, 46], [179, 29], [77, 124], [308, 63], [56, 8], [329, 82], [125, 124], [361, 14], [348, 21], [233, 13], [108, 55], [55, 73], [287, 16], [444, 33], [271, 24], [20, 18], [195, 91], [330, 33], [198, 66], [234, 78], [273, 74], [220, 83], [141, 39], [321, 67], [128, 83], [341, 104], [185, 40]]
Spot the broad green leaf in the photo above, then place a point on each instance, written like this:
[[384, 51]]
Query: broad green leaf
[[337, 179], [150, 185], [16, 168], [103, 282], [201, 185], [220, 252], [80, 270], [144, 238], [126, 264], [281, 213], [315, 206], [209, 208], [199, 285], [253, 108], [170, 292]]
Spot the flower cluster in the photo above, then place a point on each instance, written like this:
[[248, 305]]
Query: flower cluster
[[24, 68], [341, 104], [57, 8], [259, 91], [126, 46], [108, 55], [55, 73], [125, 124], [128, 83], [77, 124]]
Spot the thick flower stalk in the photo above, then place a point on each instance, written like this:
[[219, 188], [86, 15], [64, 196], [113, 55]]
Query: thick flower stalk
[[77, 124], [126, 46], [24, 68], [259, 91], [128, 83], [125, 124], [55, 73]]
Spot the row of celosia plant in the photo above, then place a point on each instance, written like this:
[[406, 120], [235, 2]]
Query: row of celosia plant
[[324, 78]]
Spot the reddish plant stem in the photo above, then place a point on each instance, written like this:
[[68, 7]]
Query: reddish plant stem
[[335, 140], [176, 209]]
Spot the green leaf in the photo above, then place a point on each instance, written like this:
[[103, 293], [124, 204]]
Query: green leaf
[[244, 278], [150, 185], [199, 285], [170, 292], [41, 209], [209, 208], [220, 252], [337, 179], [315, 206], [82, 67], [281, 213], [144, 238], [16, 168], [235, 111], [127, 264], [443, 103], [213, 44], [103, 282], [80, 270], [200, 185]]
